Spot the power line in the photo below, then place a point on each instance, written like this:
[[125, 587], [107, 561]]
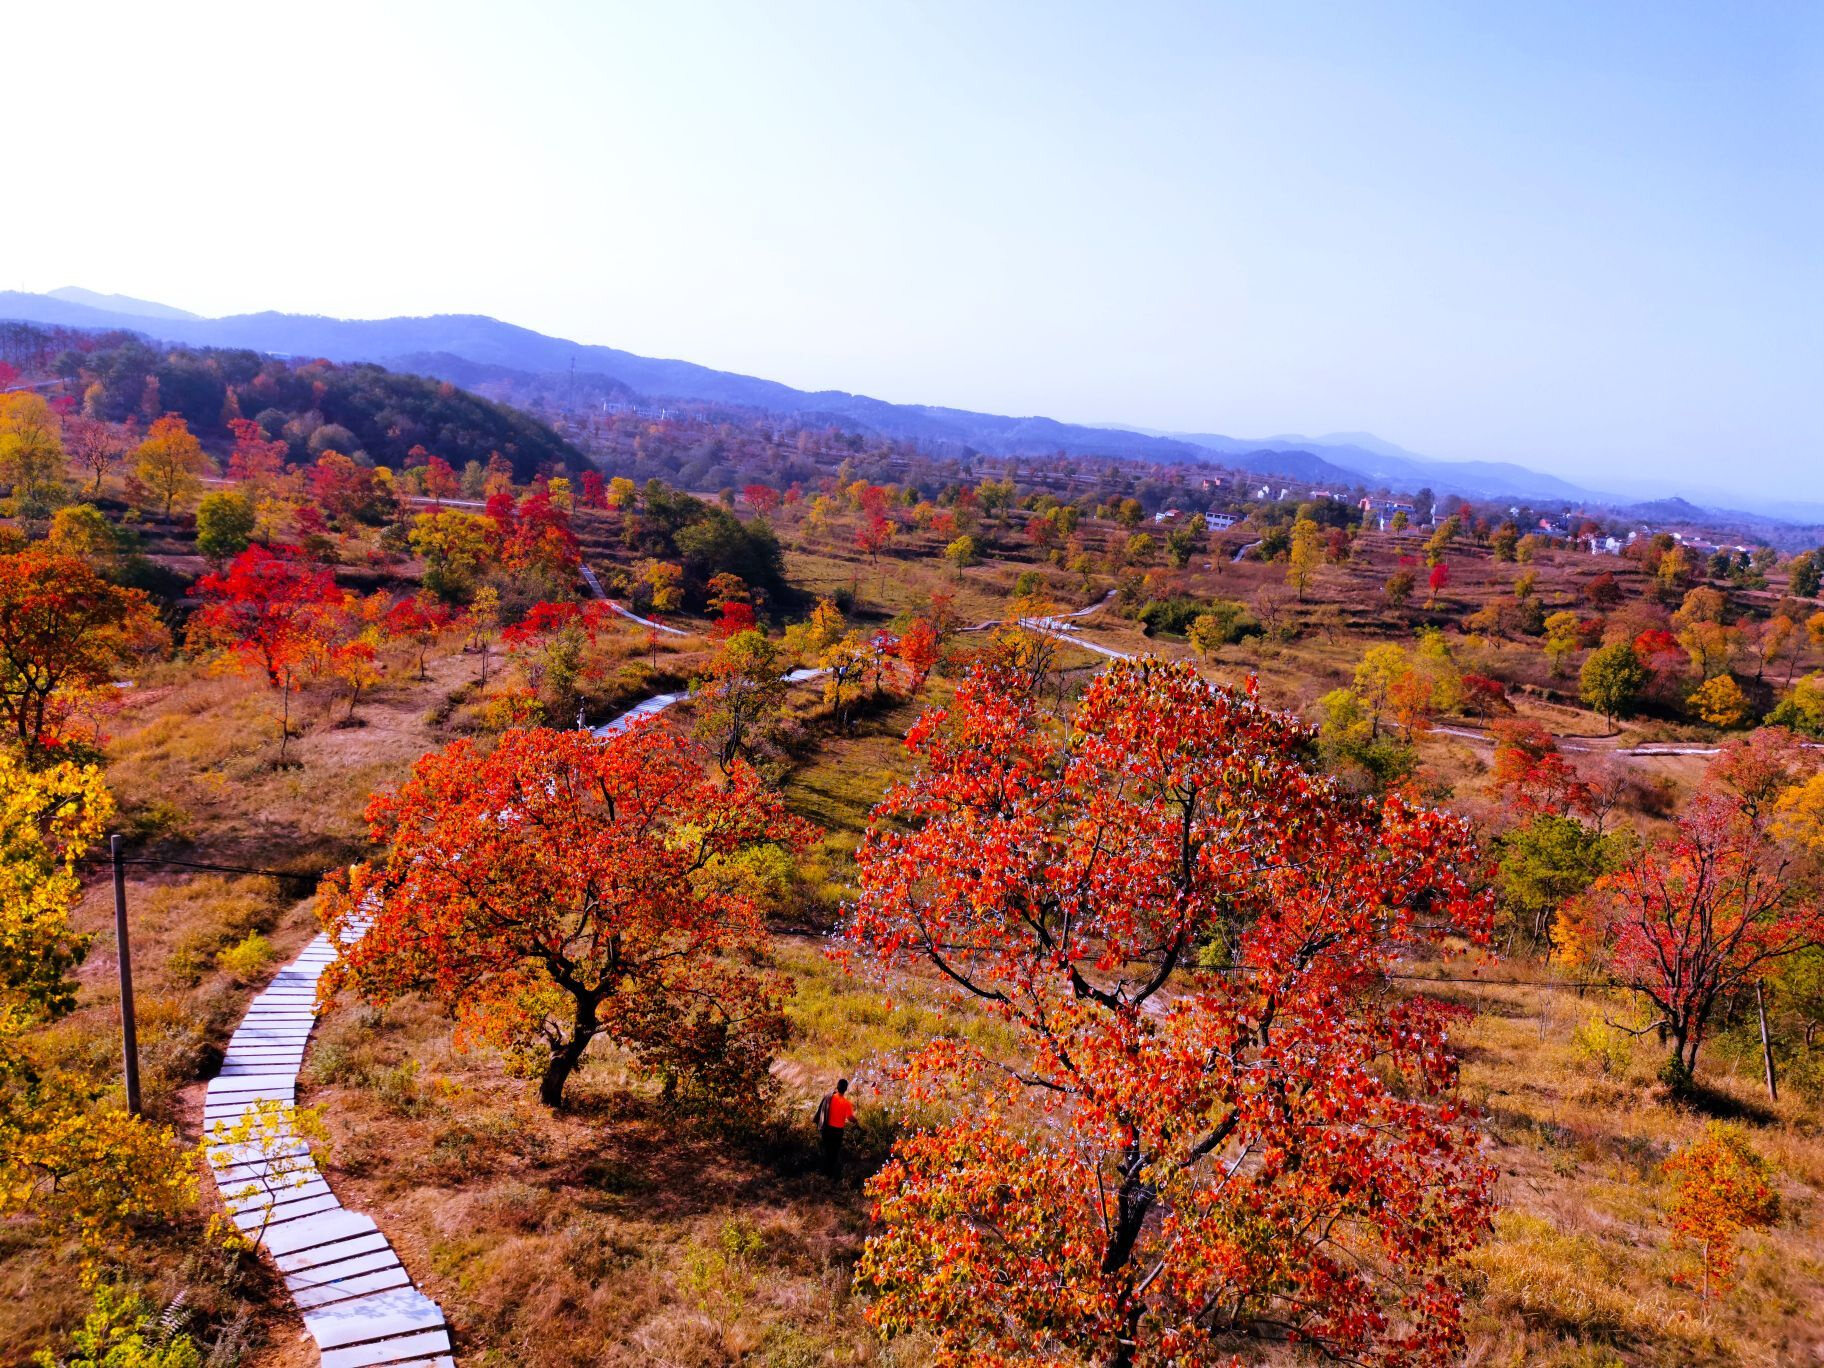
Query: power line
[[211, 868]]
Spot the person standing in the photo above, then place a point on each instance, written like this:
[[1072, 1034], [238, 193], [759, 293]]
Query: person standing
[[833, 1116]]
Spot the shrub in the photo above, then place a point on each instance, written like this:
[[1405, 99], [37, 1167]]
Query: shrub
[[121, 1331], [247, 958]]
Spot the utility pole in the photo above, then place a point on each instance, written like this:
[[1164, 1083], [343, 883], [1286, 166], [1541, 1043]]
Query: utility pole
[[1760, 1007], [129, 1035]]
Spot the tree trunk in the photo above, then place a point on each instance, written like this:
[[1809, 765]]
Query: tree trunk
[[566, 1057]]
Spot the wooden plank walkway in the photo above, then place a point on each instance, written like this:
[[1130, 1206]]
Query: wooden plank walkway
[[357, 1299]]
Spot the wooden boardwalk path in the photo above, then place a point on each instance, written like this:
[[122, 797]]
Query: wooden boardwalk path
[[357, 1299]]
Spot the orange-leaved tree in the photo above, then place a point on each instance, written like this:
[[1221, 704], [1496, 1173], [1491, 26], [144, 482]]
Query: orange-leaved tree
[[562, 887], [170, 461], [1218, 1122], [64, 631], [1720, 1187]]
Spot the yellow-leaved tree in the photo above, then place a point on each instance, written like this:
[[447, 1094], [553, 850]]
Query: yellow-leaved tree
[[68, 1156]]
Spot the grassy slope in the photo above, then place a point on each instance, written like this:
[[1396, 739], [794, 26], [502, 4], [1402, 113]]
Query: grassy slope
[[612, 1235]]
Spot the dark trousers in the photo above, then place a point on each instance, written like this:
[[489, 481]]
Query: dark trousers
[[831, 1138]]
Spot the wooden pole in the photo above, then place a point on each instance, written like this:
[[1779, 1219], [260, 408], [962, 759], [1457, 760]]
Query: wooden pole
[[129, 1035], [1760, 1007]]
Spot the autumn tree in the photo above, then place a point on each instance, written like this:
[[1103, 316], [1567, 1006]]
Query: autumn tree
[[663, 583], [68, 1156], [1305, 556], [1720, 1187], [763, 499], [255, 459], [874, 536], [454, 545], [266, 612], [31, 453], [562, 887], [1530, 773], [1561, 638], [919, 650], [421, 620], [93, 445], [1720, 702], [170, 461], [1703, 914], [1216, 1122], [64, 632], [81, 530]]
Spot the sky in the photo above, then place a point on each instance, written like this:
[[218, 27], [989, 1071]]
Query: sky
[[1585, 237]]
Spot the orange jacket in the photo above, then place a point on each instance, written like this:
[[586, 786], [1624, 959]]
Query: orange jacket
[[837, 1111]]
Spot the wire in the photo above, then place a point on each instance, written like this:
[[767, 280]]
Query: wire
[[105, 862]]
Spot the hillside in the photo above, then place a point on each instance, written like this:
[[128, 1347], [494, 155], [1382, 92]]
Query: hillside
[[310, 405], [489, 342]]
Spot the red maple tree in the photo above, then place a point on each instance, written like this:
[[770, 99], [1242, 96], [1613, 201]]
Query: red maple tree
[[561, 887], [1219, 1122], [918, 652], [421, 620], [1702, 915], [254, 458], [1531, 772], [270, 610]]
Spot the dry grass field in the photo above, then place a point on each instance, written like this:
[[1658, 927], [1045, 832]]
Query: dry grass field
[[617, 1233]]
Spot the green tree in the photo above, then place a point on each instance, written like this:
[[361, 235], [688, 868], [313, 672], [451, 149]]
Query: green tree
[[1180, 543], [1613, 680], [740, 699], [1805, 574], [962, 552], [1545, 862], [224, 525]]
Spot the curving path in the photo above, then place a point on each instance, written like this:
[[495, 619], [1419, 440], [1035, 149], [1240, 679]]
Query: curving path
[[595, 587], [659, 702], [358, 1301]]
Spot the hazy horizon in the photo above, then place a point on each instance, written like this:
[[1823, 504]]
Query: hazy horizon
[[1584, 242]]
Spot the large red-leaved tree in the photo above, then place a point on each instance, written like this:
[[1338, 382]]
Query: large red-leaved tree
[[1702, 915], [1220, 1121], [562, 887]]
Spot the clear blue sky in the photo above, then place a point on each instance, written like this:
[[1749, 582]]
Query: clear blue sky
[[1585, 236]]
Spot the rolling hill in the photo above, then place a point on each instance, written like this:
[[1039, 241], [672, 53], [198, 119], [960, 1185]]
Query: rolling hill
[[465, 348]]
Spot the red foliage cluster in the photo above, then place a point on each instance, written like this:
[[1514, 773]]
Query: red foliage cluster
[[1530, 771], [1221, 1123]]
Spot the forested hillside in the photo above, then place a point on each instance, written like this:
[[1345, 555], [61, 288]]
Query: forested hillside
[[310, 405]]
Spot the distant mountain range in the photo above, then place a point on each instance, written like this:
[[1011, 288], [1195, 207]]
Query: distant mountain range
[[469, 348]]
